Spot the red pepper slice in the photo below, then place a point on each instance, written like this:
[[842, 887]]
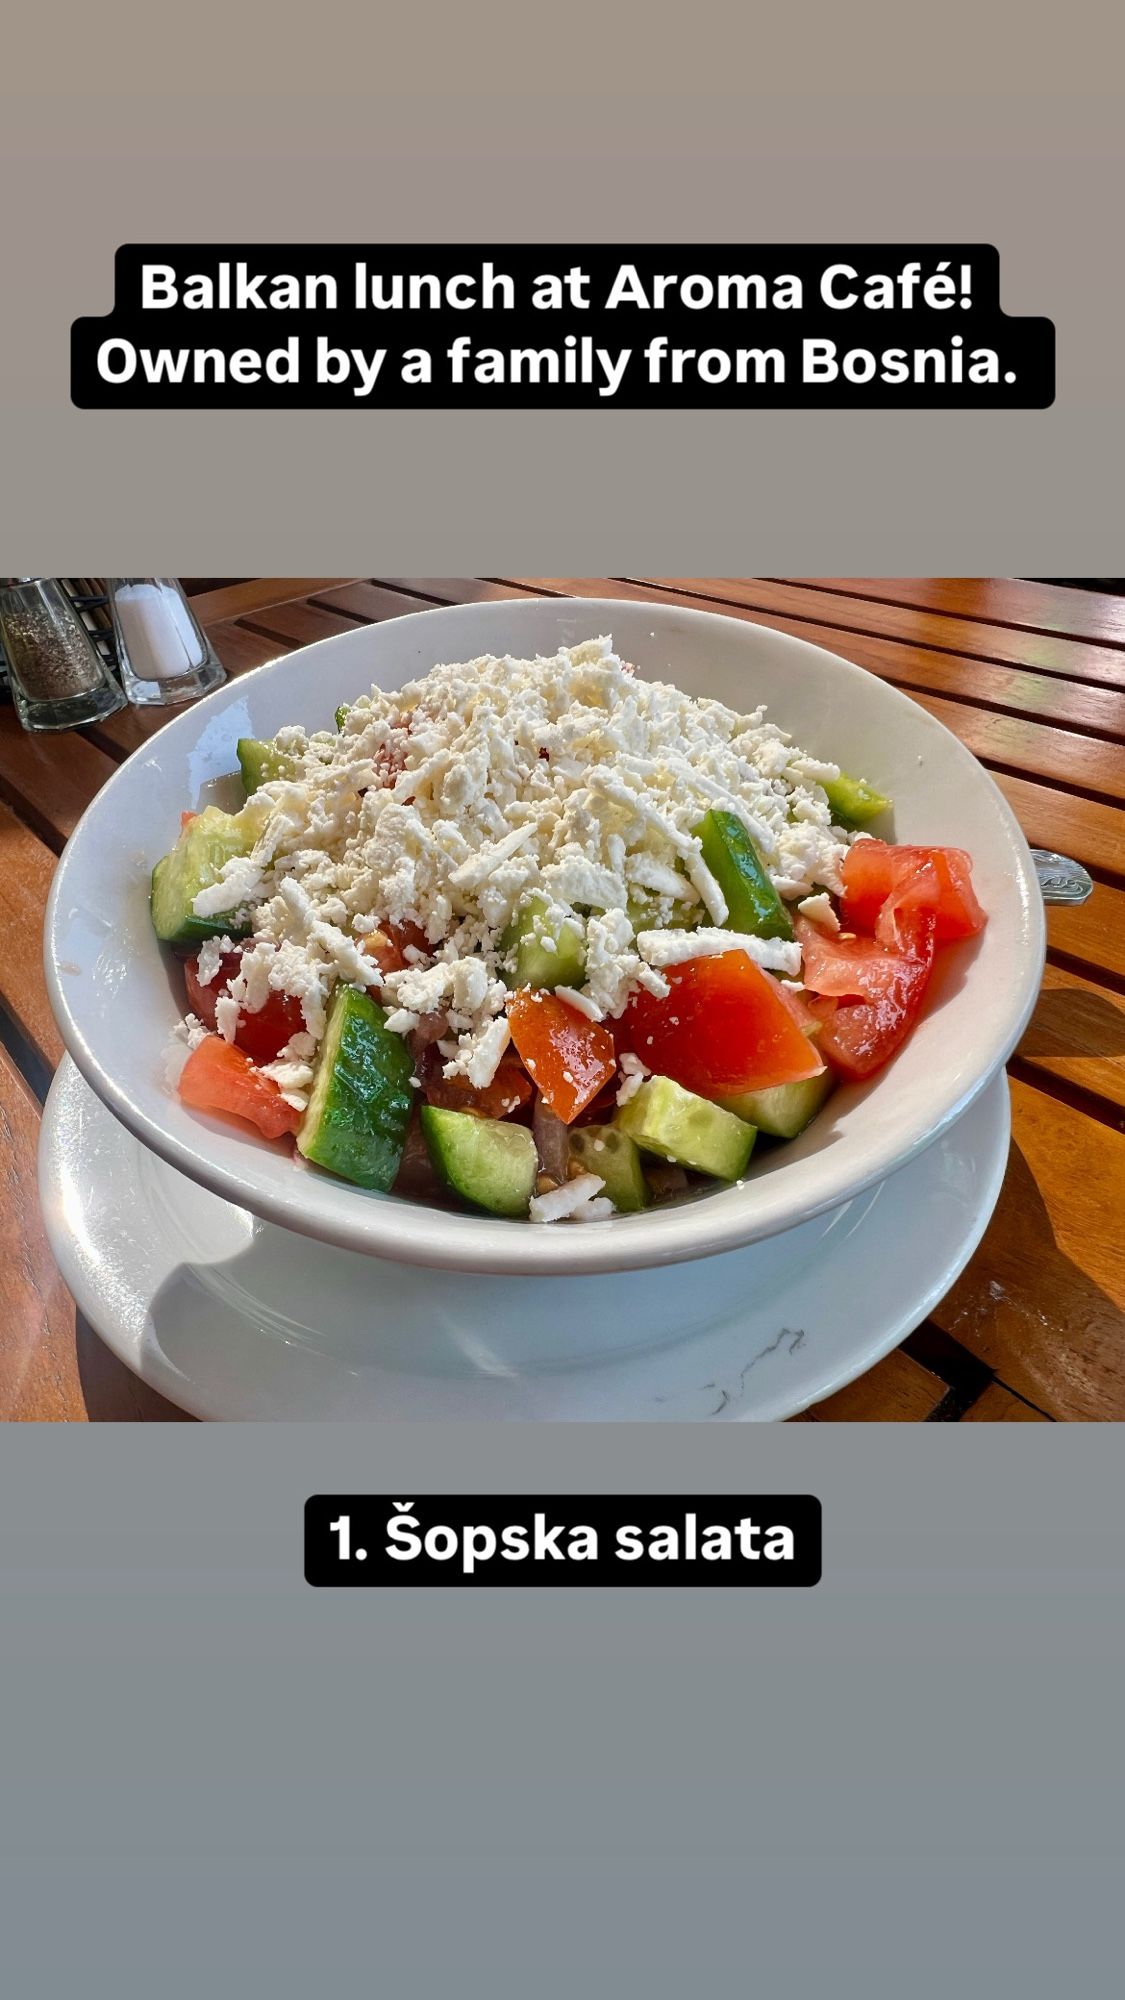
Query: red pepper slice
[[568, 1058]]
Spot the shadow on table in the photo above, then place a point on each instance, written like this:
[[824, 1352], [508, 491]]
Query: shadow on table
[[1035, 1316], [111, 1392], [1070, 1022]]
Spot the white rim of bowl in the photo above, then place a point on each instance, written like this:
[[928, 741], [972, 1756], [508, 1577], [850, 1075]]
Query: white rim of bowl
[[411, 1232]]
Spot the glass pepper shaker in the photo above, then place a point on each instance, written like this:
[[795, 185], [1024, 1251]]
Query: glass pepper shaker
[[163, 654], [57, 677]]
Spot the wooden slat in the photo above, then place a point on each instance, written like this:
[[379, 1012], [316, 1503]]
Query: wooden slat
[[918, 669], [234, 600], [1004, 600], [896, 1391], [26, 868], [369, 602], [1033, 749], [1077, 1033], [38, 1366], [999, 1406], [1093, 833], [125, 732], [298, 624], [1034, 697], [1093, 932], [239, 648], [1041, 653], [457, 589], [1043, 1301], [49, 780]]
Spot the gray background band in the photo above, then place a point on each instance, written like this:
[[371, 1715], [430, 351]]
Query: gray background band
[[218, 1779]]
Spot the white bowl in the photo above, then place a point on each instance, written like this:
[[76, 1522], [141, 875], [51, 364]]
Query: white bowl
[[116, 994]]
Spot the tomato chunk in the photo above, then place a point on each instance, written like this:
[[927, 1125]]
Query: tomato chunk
[[219, 1077], [868, 993], [388, 945], [797, 1003], [262, 1035], [937, 878], [510, 1087], [857, 968], [723, 1028], [201, 999], [568, 1058]]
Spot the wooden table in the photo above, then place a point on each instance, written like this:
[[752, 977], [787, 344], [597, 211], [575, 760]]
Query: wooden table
[[1030, 676]]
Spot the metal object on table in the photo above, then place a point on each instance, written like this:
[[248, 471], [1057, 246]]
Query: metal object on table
[[57, 677], [1061, 879]]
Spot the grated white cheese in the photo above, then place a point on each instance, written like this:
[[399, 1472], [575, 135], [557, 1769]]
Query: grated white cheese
[[227, 1013], [448, 804], [633, 1074], [582, 1003], [186, 1036], [664, 948], [574, 1201], [293, 1079], [819, 910], [211, 952], [478, 1056], [708, 888]]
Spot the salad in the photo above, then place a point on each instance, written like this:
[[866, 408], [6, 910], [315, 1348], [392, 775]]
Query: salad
[[544, 938]]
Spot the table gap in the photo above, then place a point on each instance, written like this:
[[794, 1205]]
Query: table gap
[[1084, 968], [839, 587], [1113, 667], [35, 1071], [1074, 1095], [965, 1376]]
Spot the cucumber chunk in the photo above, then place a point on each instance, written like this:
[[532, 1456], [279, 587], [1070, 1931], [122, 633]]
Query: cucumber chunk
[[261, 762], [664, 1118], [610, 1153], [542, 956], [359, 1106], [644, 914], [753, 904], [210, 840], [486, 1161], [854, 801], [784, 1110], [342, 714]]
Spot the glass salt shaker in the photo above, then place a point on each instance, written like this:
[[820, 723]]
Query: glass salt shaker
[[57, 677], [163, 654]]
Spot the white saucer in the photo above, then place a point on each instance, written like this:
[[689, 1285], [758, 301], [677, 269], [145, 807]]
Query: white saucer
[[233, 1318]]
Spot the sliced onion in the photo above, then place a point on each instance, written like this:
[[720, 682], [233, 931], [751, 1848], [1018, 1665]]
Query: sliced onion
[[552, 1141], [665, 1179], [430, 1029], [416, 1177]]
